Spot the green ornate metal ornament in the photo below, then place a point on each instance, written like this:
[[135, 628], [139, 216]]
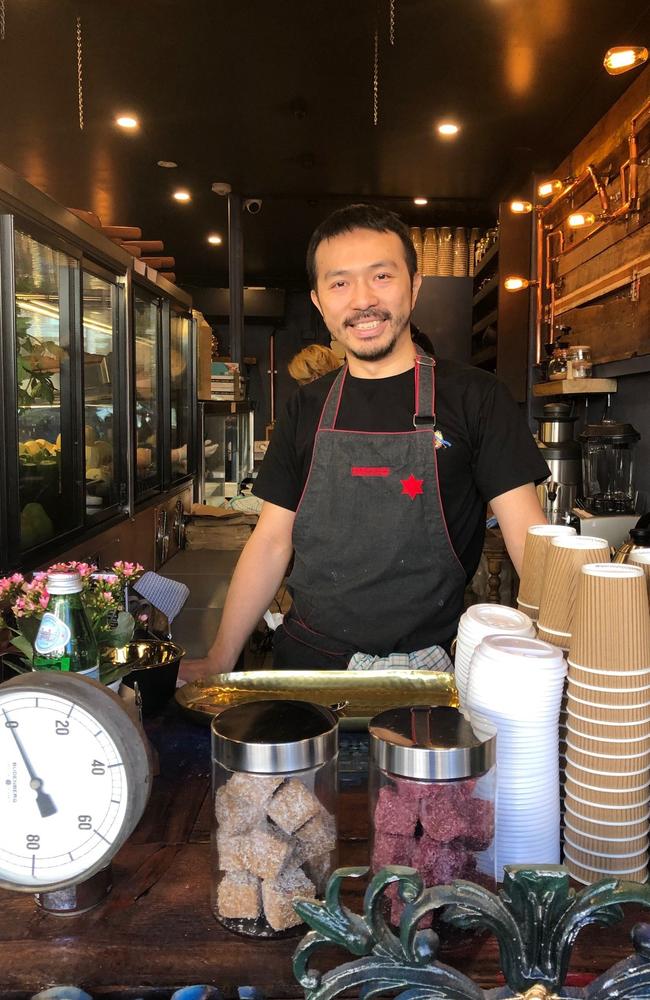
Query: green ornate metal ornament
[[536, 918]]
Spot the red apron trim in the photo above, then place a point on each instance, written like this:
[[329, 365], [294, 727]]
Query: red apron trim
[[370, 470]]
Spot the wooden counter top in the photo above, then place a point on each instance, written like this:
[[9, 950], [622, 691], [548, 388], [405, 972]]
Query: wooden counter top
[[155, 932]]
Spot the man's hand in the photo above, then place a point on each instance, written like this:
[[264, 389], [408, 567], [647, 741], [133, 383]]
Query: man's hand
[[196, 670]]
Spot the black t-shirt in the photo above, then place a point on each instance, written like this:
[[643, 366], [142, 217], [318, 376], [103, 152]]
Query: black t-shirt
[[489, 451]]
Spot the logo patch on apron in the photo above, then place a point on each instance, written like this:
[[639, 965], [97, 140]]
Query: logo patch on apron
[[412, 487]]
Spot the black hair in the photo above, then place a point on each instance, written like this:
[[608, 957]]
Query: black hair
[[346, 220]]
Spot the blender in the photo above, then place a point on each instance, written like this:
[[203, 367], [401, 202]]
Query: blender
[[608, 467]]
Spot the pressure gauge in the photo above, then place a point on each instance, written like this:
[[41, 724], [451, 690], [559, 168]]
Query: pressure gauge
[[75, 777]]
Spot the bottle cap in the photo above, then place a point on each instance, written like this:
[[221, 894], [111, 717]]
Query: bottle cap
[[64, 583]]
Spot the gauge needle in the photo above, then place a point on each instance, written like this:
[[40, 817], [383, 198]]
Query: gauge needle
[[44, 802]]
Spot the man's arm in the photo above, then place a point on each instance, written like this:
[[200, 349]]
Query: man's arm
[[515, 511], [258, 574]]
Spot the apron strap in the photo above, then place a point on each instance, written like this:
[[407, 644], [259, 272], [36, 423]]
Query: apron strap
[[425, 391], [330, 410]]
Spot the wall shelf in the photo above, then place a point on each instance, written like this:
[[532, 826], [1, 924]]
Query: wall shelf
[[575, 387], [490, 286], [486, 258], [485, 322], [484, 356]]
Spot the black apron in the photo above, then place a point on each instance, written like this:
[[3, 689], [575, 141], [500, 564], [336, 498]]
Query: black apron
[[373, 559]]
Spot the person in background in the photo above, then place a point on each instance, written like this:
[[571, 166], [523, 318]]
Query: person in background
[[312, 362], [377, 477]]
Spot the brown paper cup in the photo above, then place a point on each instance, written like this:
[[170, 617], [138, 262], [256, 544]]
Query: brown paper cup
[[628, 714], [587, 876], [610, 763], [611, 629], [642, 559], [604, 830], [616, 781], [609, 728], [608, 696], [538, 540], [596, 813], [609, 679], [609, 741], [598, 796], [567, 554], [610, 864], [603, 847]]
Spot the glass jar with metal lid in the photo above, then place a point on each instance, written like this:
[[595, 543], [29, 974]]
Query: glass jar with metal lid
[[274, 817], [431, 791]]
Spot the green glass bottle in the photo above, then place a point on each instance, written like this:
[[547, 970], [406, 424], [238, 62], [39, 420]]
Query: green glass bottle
[[65, 639]]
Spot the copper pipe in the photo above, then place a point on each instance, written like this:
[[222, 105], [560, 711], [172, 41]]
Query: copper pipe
[[539, 267], [628, 204]]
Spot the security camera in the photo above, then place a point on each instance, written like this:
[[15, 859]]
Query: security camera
[[253, 205]]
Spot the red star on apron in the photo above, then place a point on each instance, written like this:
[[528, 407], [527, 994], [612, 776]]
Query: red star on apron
[[412, 486]]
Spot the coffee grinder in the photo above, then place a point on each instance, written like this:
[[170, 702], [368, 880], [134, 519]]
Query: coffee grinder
[[559, 493]]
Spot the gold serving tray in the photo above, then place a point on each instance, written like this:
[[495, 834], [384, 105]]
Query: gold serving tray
[[357, 695]]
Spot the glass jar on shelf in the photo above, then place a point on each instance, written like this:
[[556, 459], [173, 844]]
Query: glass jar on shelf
[[558, 365], [579, 363], [274, 816]]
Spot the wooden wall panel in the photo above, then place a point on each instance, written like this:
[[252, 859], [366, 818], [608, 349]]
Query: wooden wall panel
[[595, 293]]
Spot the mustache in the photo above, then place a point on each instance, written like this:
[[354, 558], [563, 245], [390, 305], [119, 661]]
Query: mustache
[[367, 316]]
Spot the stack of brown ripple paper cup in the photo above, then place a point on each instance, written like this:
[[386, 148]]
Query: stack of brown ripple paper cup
[[641, 557], [607, 790], [566, 556], [538, 541]]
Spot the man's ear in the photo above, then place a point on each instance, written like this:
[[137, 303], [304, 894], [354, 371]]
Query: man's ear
[[415, 287], [314, 298]]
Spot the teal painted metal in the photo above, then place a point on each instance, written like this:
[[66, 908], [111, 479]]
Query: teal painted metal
[[536, 918]]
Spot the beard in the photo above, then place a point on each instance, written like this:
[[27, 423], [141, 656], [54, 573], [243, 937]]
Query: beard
[[369, 351]]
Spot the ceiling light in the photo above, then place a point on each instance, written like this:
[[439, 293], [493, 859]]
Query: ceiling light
[[548, 188], [214, 240], [420, 201], [127, 121], [514, 283], [520, 207], [448, 129], [182, 195], [578, 220], [167, 164], [624, 57]]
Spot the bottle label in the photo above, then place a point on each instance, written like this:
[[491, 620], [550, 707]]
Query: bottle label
[[53, 634]]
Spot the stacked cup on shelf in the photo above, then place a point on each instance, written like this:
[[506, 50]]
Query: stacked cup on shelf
[[538, 541], [475, 624], [607, 804], [515, 686]]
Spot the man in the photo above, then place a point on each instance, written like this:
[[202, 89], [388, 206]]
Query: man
[[377, 476]]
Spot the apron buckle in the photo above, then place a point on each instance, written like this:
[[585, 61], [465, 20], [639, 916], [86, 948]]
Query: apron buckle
[[424, 420]]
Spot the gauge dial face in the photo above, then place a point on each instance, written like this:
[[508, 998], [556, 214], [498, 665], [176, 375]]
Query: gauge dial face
[[64, 789]]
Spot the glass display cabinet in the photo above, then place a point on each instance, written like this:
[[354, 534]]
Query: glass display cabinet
[[226, 434], [97, 413]]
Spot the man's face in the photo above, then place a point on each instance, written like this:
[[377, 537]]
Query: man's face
[[364, 292]]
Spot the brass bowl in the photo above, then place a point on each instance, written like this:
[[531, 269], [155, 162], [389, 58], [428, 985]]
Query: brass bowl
[[154, 666]]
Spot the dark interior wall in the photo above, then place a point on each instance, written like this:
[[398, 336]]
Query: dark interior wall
[[301, 325]]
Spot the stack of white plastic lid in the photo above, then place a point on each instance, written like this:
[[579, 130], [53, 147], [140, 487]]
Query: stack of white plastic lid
[[479, 621], [515, 687]]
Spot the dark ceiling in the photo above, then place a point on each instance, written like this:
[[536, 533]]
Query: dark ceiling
[[276, 99]]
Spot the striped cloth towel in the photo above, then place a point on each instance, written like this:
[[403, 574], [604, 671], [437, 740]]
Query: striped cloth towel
[[431, 658], [167, 596]]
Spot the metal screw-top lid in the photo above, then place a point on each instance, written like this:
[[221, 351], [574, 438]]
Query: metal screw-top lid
[[273, 737], [64, 583], [425, 742]]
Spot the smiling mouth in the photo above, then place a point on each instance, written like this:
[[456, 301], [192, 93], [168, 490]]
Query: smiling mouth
[[367, 326]]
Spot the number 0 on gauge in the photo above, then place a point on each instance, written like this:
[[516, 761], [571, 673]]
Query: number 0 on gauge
[[75, 777]]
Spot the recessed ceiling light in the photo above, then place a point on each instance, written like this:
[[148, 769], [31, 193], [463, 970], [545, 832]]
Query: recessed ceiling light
[[448, 128], [214, 240], [168, 164], [127, 121], [182, 195], [420, 201]]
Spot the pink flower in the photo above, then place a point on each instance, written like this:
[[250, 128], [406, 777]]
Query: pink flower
[[143, 618]]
